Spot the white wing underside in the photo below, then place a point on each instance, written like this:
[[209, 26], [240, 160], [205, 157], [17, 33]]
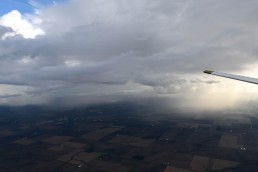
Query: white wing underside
[[231, 76]]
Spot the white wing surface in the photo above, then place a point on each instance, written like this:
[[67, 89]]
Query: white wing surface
[[231, 76]]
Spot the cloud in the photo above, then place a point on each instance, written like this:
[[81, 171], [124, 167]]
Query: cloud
[[3, 31], [207, 82], [9, 95], [19, 25], [119, 50]]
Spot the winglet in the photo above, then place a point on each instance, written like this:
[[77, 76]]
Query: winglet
[[208, 71]]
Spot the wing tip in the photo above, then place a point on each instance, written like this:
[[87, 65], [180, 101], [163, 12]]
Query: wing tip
[[208, 71]]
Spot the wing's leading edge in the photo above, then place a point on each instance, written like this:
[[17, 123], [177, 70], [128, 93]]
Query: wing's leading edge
[[231, 76]]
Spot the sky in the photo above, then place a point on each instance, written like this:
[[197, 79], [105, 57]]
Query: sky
[[77, 52], [26, 6]]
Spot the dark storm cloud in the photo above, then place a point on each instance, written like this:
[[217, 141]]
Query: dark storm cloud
[[207, 82], [3, 30], [9, 95], [143, 48]]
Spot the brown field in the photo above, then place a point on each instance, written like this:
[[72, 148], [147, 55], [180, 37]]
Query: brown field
[[86, 157], [219, 164], [24, 141], [79, 155], [59, 148], [69, 156], [174, 169], [76, 162], [57, 139], [132, 141], [182, 160], [199, 163], [6, 133], [100, 133], [228, 141], [73, 145], [179, 160]]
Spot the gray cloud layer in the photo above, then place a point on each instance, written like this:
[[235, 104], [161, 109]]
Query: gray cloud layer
[[93, 49]]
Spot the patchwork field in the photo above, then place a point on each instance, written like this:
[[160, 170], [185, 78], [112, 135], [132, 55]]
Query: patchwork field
[[57, 139], [219, 164], [24, 141], [229, 141], [200, 163], [132, 141], [100, 133]]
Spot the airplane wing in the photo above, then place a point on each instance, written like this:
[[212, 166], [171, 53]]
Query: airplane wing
[[231, 76]]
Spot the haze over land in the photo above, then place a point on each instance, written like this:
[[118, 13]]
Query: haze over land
[[77, 52]]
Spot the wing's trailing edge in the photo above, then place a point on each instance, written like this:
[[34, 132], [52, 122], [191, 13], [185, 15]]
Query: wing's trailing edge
[[231, 76]]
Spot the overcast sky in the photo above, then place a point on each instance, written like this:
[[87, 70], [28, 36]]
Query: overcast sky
[[79, 52]]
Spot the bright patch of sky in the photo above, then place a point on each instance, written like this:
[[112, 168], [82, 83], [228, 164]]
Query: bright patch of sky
[[19, 25], [27, 6], [16, 15]]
